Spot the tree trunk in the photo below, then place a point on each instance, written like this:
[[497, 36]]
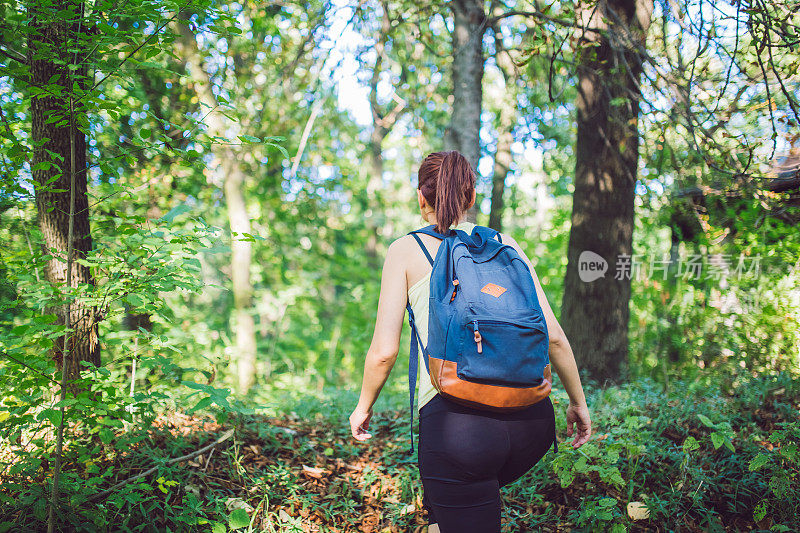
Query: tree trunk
[[595, 313], [383, 120], [375, 146], [505, 127], [469, 24], [243, 322], [241, 252], [502, 163], [374, 196], [48, 58]]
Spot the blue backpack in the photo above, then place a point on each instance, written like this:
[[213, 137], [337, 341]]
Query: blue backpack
[[487, 337]]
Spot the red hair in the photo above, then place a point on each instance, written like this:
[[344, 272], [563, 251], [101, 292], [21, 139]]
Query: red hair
[[447, 181]]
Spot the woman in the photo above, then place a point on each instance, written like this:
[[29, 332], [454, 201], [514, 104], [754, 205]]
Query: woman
[[465, 454]]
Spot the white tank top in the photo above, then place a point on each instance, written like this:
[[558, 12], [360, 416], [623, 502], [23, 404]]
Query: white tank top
[[418, 295]]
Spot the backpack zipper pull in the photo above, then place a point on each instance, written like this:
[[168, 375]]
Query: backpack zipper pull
[[478, 337], [455, 289]]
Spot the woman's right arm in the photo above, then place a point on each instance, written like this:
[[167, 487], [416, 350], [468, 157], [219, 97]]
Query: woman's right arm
[[563, 361]]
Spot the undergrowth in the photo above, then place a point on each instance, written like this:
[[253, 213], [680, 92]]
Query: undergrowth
[[701, 457]]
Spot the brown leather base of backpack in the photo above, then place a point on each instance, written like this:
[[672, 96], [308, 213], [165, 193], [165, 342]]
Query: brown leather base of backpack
[[482, 396]]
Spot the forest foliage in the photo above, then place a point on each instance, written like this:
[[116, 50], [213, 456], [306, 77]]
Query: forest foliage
[[245, 167]]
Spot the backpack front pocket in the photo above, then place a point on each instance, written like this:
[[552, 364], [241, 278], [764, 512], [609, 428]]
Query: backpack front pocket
[[507, 353]]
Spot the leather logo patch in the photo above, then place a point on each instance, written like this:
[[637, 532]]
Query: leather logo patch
[[493, 290]]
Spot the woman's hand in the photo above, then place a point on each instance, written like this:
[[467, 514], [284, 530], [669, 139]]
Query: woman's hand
[[359, 423], [579, 415]]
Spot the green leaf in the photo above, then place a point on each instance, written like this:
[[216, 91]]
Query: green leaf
[[174, 212], [758, 462], [249, 139], [789, 451], [20, 330], [198, 386], [106, 435], [706, 421], [328, 452], [281, 149], [53, 415], [238, 519], [760, 511], [566, 477], [202, 404], [690, 444], [717, 440], [134, 299], [218, 527]]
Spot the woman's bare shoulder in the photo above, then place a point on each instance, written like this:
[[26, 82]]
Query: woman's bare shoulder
[[400, 248]]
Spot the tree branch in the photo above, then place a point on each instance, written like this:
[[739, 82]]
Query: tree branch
[[14, 359], [13, 54], [228, 434], [541, 16]]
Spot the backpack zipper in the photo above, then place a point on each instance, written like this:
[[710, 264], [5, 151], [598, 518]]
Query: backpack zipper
[[477, 336], [455, 289], [515, 321]]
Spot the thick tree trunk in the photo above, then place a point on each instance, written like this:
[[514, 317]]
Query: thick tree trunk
[[243, 322], [469, 24], [47, 58], [595, 312]]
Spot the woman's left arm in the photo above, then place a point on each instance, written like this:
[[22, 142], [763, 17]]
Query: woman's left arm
[[385, 344]]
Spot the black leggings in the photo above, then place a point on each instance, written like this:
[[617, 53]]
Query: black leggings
[[466, 455]]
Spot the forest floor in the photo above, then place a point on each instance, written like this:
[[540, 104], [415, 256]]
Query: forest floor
[[668, 453]]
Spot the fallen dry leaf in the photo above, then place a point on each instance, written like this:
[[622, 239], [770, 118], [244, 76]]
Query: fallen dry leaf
[[638, 511], [238, 503], [408, 509], [316, 473]]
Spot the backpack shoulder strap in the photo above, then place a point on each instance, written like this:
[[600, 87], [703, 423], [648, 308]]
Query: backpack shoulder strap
[[427, 230], [421, 245], [416, 343]]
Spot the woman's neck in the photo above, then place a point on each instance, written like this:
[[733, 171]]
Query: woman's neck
[[430, 218]]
